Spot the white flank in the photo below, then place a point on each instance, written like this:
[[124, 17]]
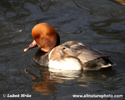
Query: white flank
[[65, 64]]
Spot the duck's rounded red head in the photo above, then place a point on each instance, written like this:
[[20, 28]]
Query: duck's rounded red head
[[44, 36]]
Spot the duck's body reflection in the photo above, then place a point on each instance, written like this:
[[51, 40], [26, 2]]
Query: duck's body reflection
[[49, 78], [46, 83]]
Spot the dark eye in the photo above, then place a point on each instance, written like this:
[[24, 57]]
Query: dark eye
[[64, 48]]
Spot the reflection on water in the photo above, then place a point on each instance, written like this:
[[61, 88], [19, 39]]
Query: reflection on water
[[98, 23], [122, 2], [46, 83]]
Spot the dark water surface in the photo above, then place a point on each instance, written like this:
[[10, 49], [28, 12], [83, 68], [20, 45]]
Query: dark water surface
[[98, 23]]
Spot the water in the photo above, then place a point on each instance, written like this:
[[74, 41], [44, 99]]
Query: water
[[98, 23]]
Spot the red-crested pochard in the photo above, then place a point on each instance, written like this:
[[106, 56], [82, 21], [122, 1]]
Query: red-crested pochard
[[70, 55]]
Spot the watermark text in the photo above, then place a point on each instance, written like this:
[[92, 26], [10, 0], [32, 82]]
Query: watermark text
[[98, 96], [17, 95]]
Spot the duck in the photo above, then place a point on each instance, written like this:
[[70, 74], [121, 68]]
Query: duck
[[71, 55]]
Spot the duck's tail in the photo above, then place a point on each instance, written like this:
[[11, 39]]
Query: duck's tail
[[98, 63]]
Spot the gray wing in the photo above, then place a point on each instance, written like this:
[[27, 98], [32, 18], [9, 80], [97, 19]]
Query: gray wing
[[84, 53]]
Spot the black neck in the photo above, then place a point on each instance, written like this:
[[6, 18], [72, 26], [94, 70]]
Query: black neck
[[58, 41]]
